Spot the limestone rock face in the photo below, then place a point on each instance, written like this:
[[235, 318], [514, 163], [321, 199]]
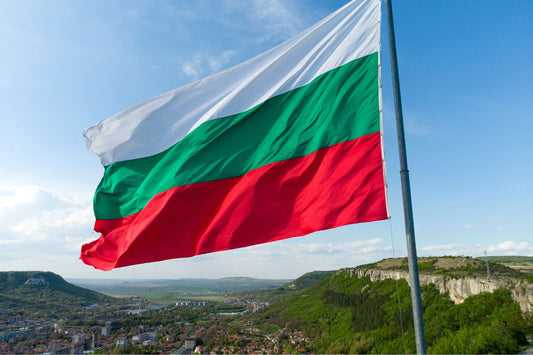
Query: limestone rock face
[[459, 289]]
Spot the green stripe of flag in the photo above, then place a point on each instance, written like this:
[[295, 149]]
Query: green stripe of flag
[[338, 106]]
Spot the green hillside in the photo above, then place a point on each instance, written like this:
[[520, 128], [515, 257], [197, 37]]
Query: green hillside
[[348, 314], [307, 280], [522, 263], [43, 291]]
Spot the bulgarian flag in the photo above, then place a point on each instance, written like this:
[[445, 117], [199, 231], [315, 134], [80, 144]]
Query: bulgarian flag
[[280, 146]]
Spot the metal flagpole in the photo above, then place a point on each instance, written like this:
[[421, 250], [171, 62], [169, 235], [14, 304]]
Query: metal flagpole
[[406, 192]]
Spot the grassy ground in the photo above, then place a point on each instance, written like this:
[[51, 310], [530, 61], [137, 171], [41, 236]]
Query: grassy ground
[[522, 263]]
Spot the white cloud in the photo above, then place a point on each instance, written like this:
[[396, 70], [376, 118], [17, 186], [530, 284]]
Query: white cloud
[[352, 247], [217, 63], [509, 244], [190, 71], [74, 243], [504, 248], [524, 246], [270, 249], [193, 67], [454, 249], [79, 216], [204, 64], [276, 19], [30, 213], [510, 247], [443, 249]]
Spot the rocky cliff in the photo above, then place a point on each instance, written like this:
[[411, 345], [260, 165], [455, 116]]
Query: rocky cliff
[[459, 288]]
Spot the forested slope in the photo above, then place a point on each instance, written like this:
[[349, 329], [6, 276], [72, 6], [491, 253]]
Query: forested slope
[[346, 313]]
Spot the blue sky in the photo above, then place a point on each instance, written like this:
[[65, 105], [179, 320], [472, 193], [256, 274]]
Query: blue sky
[[466, 78]]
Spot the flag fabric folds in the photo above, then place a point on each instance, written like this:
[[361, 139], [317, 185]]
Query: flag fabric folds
[[282, 145]]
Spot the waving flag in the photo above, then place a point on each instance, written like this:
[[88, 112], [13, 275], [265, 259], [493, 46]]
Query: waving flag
[[283, 145]]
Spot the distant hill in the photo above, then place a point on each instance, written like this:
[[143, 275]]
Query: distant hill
[[166, 291], [307, 280], [365, 310], [41, 290]]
